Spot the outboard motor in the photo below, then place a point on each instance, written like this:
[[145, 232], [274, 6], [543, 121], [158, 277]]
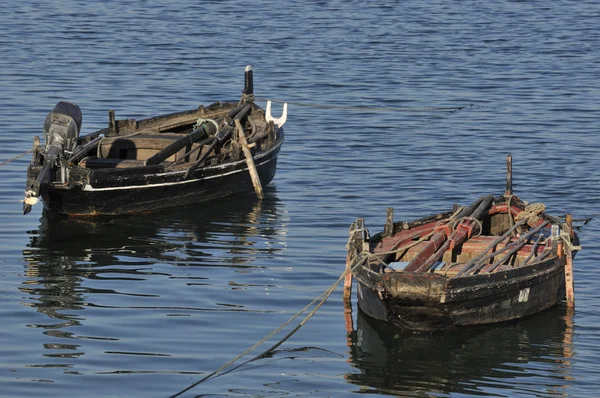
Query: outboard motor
[[61, 127], [61, 131]]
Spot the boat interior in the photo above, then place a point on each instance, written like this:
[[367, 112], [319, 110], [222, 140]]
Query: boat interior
[[132, 144], [498, 240], [134, 150]]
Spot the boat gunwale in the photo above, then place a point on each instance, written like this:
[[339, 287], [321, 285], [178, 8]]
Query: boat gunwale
[[142, 124]]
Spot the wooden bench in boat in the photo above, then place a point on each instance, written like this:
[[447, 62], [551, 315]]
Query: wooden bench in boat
[[134, 150], [139, 146]]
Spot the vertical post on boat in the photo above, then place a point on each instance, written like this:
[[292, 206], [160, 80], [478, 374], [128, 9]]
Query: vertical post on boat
[[112, 124], [349, 256], [569, 284], [509, 190], [249, 161], [388, 229], [569, 221], [554, 240], [248, 92], [363, 239], [348, 285], [271, 132]]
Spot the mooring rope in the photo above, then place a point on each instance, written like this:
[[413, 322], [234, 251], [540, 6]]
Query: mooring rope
[[16, 157], [323, 297], [364, 108]]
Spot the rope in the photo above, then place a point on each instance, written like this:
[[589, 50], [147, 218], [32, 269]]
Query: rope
[[397, 248], [16, 157], [323, 297], [478, 222], [511, 220], [200, 121], [351, 236], [531, 212], [363, 108], [246, 98]]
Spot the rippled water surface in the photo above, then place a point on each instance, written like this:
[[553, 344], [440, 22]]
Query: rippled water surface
[[147, 306]]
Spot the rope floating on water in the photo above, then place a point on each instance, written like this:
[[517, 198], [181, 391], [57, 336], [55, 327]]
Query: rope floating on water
[[322, 297], [364, 108], [326, 106], [16, 157]]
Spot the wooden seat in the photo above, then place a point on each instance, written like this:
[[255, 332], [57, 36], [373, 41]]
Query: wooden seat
[[139, 147]]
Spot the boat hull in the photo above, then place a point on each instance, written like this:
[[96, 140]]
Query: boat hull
[[431, 302], [123, 192]]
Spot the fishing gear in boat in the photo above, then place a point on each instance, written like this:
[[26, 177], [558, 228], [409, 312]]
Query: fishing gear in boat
[[206, 128], [221, 136], [449, 236]]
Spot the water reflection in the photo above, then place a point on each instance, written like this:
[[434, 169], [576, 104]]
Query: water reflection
[[244, 225], [501, 360], [69, 263]]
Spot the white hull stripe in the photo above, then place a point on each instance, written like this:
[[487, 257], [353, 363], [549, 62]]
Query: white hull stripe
[[89, 188]]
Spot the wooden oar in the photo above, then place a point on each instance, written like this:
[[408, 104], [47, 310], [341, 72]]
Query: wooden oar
[[480, 261], [567, 249], [518, 246], [497, 241], [436, 244], [249, 160], [207, 129], [203, 131], [461, 233]]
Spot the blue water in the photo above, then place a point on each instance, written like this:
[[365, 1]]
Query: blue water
[[146, 306]]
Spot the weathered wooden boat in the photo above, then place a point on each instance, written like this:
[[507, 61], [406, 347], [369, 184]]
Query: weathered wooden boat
[[166, 161], [496, 260]]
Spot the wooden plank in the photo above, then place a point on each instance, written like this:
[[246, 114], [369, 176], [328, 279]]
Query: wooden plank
[[569, 283]]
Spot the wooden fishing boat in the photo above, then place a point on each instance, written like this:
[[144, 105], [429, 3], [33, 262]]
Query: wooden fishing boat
[[166, 161], [496, 260]]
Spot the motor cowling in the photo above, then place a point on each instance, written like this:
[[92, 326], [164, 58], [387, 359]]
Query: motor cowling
[[61, 127], [61, 131]]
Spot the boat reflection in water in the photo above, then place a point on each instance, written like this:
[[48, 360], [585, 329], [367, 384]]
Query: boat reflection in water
[[489, 360], [144, 261]]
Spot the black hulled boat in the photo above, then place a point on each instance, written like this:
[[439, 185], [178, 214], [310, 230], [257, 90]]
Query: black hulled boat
[[142, 166]]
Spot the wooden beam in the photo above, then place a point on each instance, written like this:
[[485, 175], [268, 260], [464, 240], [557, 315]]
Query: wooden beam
[[388, 229], [509, 190], [569, 283], [249, 161]]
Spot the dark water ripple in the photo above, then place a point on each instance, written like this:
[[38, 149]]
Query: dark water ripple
[[145, 306]]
